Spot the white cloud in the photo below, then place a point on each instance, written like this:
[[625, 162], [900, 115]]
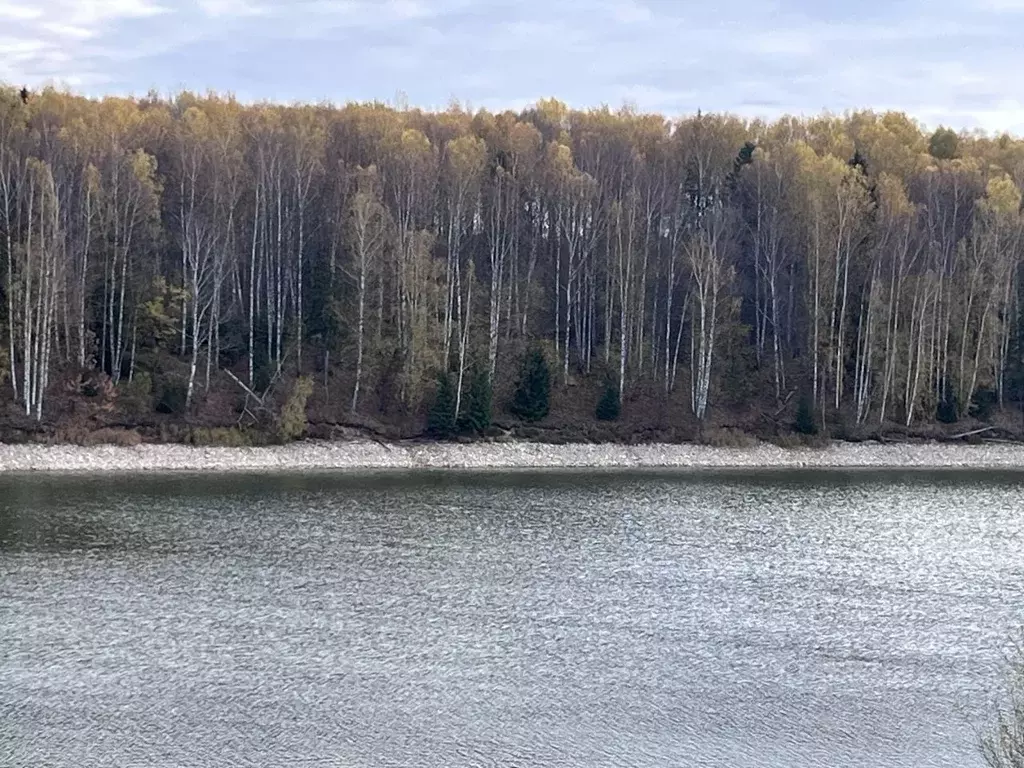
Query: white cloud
[[1000, 6], [68, 31], [10, 46], [763, 58], [19, 11], [87, 13], [629, 12], [58, 38], [233, 8]]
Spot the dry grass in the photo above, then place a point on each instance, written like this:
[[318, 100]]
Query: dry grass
[[103, 436], [226, 437], [728, 438], [795, 440]]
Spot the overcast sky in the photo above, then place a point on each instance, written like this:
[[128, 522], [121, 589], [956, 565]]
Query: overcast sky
[[943, 61]]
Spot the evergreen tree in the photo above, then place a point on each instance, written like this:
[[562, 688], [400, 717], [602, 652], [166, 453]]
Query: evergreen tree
[[609, 405], [859, 162], [948, 409], [944, 144], [805, 422], [476, 416], [441, 422], [531, 400], [1015, 363], [292, 422], [984, 403]]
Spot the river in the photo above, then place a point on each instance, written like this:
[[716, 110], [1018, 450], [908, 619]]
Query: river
[[722, 618]]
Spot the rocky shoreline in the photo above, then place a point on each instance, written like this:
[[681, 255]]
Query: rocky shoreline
[[372, 455]]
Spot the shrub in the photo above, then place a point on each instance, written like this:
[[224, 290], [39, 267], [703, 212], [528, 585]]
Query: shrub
[[441, 421], [947, 410], [111, 436], [476, 415], [983, 403], [172, 398], [292, 423], [230, 437], [533, 392], [728, 438], [173, 433], [140, 387], [798, 441], [838, 425], [609, 405], [74, 434], [78, 435], [805, 422], [138, 393]]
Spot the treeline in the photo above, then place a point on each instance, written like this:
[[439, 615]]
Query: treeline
[[859, 262]]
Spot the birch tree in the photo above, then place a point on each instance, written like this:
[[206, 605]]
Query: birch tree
[[711, 273], [367, 231], [465, 159]]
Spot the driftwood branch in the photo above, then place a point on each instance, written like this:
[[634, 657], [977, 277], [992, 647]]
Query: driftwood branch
[[971, 433]]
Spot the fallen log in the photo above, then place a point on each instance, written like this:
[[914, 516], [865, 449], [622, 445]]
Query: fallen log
[[239, 382], [971, 433]]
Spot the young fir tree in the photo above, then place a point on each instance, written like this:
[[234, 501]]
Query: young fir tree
[[476, 415], [441, 421], [292, 422], [805, 422], [531, 399], [947, 410], [608, 406]]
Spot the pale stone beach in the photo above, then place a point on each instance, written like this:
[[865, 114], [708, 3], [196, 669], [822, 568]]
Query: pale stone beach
[[372, 455]]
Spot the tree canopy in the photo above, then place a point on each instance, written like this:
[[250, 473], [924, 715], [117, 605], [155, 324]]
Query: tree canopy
[[858, 259]]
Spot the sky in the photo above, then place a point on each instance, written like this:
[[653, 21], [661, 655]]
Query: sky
[[950, 62]]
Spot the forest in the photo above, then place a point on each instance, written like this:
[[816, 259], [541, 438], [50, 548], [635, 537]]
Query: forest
[[198, 268]]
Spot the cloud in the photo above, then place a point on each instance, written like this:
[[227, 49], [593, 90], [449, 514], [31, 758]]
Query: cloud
[[629, 12], [95, 13], [232, 8], [19, 12], [763, 59], [64, 50], [1001, 6]]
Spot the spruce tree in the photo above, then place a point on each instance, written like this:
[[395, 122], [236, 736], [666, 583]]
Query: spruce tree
[[948, 408], [476, 416], [441, 422], [292, 422], [608, 406], [805, 423], [531, 400]]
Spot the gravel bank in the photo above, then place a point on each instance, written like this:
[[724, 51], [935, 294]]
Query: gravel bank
[[365, 454]]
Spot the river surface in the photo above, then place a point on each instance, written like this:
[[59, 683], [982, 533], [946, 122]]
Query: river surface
[[734, 619]]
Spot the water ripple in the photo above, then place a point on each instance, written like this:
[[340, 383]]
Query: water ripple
[[782, 619]]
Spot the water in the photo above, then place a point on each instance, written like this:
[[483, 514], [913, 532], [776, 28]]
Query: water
[[560, 619]]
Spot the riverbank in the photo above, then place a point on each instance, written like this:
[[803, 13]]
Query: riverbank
[[371, 455]]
